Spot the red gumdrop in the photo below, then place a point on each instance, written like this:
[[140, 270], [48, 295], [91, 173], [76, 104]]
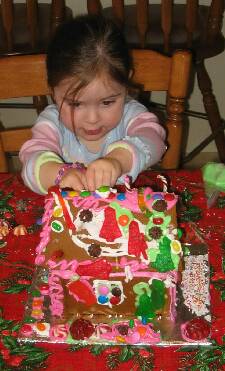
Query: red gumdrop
[[197, 328], [81, 329], [114, 300]]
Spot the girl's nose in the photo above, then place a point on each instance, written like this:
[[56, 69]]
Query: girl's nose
[[92, 115]]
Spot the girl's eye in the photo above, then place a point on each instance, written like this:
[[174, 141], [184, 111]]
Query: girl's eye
[[108, 102], [74, 104]]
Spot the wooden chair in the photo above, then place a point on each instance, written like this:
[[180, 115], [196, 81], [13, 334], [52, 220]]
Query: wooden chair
[[169, 26], [152, 70], [26, 28]]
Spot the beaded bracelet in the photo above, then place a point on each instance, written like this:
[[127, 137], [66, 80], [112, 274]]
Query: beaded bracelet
[[65, 167]]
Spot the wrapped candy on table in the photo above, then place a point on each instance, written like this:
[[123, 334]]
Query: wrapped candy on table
[[214, 179]]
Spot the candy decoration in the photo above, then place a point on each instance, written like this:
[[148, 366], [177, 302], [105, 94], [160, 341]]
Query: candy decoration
[[155, 233], [157, 221], [157, 196], [121, 196], [94, 250], [158, 294], [104, 189], [85, 193], [136, 243], [116, 291], [164, 182], [57, 254], [73, 193], [123, 329], [82, 291], [103, 290], [57, 226], [123, 220], [86, 215], [64, 193], [145, 308], [57, 212], [100, 269], [102, 299], [169, 197], [196, 329], [176, 247], [66, 214], [41, 326], [142, 330], [110, 229], [159, 205], [59, 332], [114, 300], [81, 329], [141, 202]]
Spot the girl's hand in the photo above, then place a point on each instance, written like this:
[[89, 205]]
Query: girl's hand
[[75, 179], [102, 172]]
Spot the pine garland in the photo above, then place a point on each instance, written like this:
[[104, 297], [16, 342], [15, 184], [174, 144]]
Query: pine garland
[[13, 355]]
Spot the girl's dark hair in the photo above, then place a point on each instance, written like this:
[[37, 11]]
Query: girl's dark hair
[[85, 47]]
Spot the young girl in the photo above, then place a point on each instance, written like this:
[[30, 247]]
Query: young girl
[[93, 121]]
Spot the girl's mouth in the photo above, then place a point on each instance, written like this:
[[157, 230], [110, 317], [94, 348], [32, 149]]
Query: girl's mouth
[[93, 132]]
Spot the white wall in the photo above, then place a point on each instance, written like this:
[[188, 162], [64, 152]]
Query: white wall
[[198, 129]]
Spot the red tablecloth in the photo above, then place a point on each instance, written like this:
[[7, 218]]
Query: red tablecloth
[[18, 205]]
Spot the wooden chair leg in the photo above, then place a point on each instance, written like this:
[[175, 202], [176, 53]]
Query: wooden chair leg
[[211, 108]]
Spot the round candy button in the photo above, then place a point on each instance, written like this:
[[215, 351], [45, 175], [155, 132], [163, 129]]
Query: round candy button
[[121, 196], [103, 290], [103, 299], [123, 220]]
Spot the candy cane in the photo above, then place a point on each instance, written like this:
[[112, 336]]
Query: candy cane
[[164, 182], [127, 181]]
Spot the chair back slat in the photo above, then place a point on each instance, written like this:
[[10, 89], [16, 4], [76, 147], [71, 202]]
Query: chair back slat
[[142, 20], [180, 24], [30, 81], [27, 26], [32, 21], [57, 13], [94, 6], [118, 11], [191, 20], [154, 78], [7, 21], [166, 22]]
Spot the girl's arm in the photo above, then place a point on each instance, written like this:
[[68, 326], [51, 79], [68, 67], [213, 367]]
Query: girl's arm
[[144, 140], [42, 149]]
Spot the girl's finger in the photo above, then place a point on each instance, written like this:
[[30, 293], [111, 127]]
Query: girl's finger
[[90, 176], [84, 181], [106, 178]]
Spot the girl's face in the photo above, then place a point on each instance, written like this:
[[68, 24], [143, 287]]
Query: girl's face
[[94, 111]]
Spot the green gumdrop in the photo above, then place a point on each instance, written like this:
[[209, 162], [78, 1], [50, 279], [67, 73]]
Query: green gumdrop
[[158, 294], [179, 233], [104, 189], [145, 307], [35, 293], [163, 263], [164, 245], [85, 193]]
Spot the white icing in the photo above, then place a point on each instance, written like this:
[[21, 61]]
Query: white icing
[[195, 284], [93, 228]]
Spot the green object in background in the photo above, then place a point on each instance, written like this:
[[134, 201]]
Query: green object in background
[[214, 176], [214, 179]]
